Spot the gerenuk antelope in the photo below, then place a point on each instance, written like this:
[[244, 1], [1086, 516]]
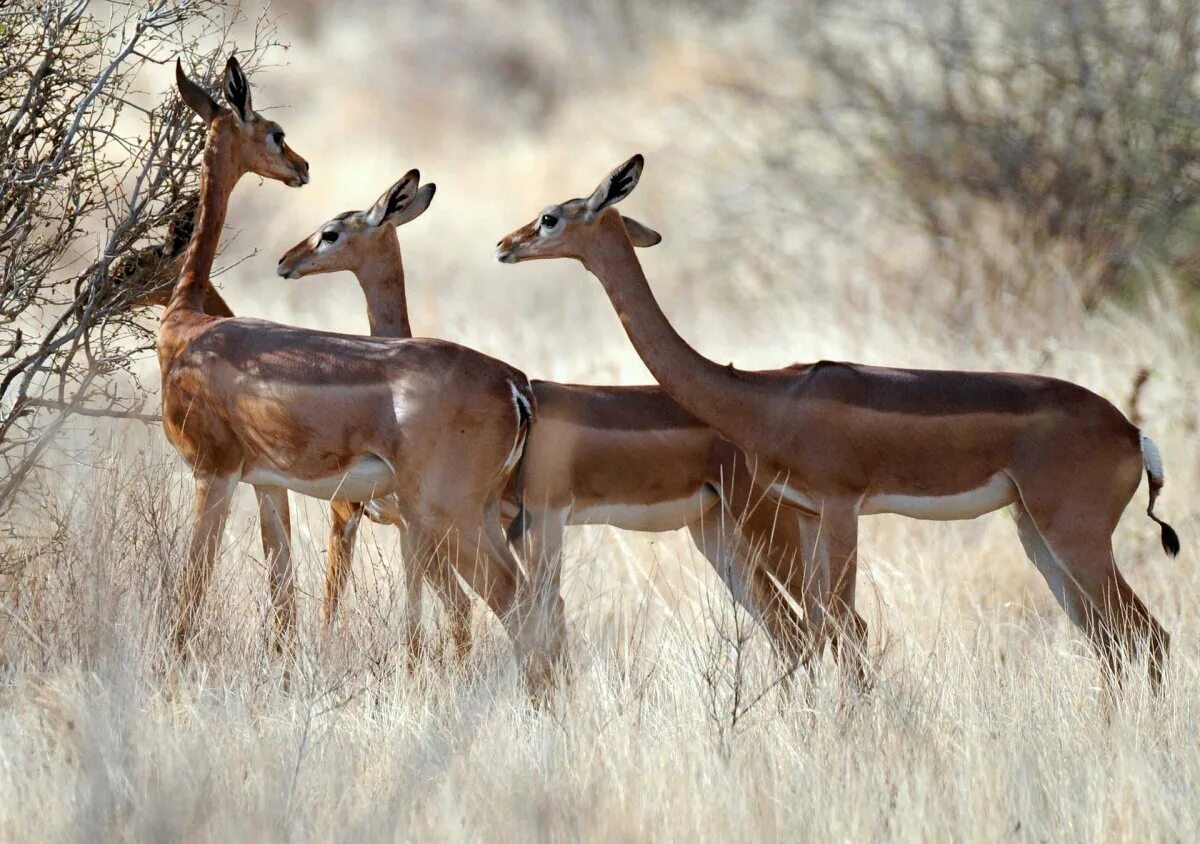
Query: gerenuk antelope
[[838, 440], [628, 457], [329, 415], [378, 265]]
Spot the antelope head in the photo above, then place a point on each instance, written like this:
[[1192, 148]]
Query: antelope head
[[145, 278], [253, 143], [353, 239], [564, 230]]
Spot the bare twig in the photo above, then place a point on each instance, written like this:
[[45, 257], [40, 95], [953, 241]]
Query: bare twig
[[80, 199]]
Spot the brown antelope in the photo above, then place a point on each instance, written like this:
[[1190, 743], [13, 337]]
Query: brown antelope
[[629, 457], [839, 440], [363, 242], [329, 415], [146, 278]]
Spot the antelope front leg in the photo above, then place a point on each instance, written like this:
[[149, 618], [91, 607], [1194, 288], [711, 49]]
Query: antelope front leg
[[213, 495], [837, 548], [275, 521], [455, 601], [343, 530], [745, 575], [542, 550], [778, 547], [417, 548]]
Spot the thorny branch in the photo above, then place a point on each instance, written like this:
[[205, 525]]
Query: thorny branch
[[93, 167]]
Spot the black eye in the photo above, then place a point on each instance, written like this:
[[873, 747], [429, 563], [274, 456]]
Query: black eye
[[329, 237], [549, 221], [277, 137]]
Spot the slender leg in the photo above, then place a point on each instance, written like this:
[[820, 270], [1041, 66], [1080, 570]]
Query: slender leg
[[455, 600], [1085, 553], [543, 558], [480, 554], [418, 547], [213, 496], [275, 522], [539, 618], [720, 544], [1073, 506], [779, 547], [343, 529], [1080, 610], [750, 586], [838, 543]]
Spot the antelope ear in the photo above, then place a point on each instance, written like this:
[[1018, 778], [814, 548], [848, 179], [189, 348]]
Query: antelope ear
[[416, 208], [395, 199], [196, 98], [237, 89], [616, 185], [640, 235]]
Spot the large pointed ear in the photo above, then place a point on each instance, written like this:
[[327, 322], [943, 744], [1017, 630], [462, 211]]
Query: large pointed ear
[[640, 235], [415, 208], [196, 98], [616, 185], [237, 89], [395, 199]]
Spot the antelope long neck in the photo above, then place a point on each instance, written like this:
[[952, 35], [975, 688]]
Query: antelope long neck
[[218, 175], [726, 401], [381, 278]]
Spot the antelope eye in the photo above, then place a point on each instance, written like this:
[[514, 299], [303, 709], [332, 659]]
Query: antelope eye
[[277, 137], [329, 237], [549, 221]]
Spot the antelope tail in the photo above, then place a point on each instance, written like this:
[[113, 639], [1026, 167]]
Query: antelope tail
[[520, 523], [1152, 460]]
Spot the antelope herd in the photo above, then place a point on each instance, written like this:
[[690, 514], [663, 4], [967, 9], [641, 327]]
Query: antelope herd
[[481, 469]]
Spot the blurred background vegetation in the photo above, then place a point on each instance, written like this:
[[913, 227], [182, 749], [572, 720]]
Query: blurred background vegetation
[[1065, 128], [990, 173]]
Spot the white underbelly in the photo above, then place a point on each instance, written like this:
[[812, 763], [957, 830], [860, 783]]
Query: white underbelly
[[367, 477], [998, 492], [659, 516], [793, 496]]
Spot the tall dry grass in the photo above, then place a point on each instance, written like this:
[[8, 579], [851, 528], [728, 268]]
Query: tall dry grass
[[988, 719]]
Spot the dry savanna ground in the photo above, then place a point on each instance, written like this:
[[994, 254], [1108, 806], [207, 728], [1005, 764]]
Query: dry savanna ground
[[988, 719]]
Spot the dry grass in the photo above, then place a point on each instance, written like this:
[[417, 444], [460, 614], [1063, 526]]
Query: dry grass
[[987, 721]]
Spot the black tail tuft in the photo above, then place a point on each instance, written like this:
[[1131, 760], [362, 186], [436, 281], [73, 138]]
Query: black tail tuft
[[1170, 539], [1155, 477]]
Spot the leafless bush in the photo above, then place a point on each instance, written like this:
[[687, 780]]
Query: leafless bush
[[1069, 123], [90, 169]]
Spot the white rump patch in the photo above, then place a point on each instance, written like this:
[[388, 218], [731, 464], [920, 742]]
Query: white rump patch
[[996, 493], [1152, 458], [524, 411]]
